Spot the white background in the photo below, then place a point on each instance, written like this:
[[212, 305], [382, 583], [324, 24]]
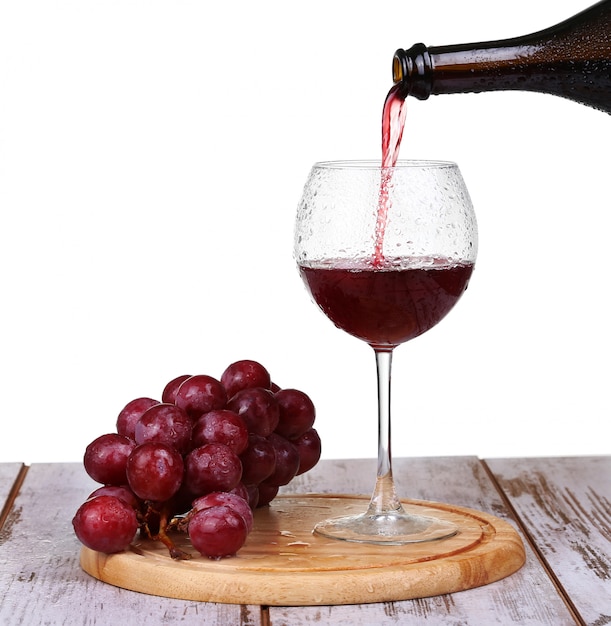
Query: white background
[[152, 154]]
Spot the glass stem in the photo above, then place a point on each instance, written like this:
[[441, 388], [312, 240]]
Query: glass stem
[[384, 500]]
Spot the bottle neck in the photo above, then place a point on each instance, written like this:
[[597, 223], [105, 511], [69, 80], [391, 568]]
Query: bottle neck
[[489, 66], [543, 61]]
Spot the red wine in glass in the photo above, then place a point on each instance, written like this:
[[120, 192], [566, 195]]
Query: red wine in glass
[[387, 306]]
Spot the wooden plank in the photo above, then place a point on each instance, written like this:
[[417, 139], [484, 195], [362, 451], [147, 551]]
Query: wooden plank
[[10, 476], [527, 598], [566, 505], [40, 578]]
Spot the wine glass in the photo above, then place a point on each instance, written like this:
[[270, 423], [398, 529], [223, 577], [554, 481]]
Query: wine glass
[[385, 252]]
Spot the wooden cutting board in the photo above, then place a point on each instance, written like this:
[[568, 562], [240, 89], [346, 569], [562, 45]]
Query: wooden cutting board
[[284, 564]]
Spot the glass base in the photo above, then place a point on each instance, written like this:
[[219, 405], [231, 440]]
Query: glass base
[[393, 529]]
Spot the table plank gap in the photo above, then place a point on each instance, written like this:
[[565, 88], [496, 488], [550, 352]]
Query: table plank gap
[[265, 619], [12, 494], [562, 592]]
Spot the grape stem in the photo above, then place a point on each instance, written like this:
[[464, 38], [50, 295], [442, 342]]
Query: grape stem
[[180, 523], [384, 500], [162, 518]]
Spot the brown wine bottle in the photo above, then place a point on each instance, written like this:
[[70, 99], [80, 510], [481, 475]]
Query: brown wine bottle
[[571, 59]]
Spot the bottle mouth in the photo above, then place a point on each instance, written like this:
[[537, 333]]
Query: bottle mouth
[[398, 66], [412, 71]]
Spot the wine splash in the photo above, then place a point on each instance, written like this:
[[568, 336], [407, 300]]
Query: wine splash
[[393, 122]]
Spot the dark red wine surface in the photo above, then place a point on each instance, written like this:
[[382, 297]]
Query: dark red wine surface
[[386, 306]]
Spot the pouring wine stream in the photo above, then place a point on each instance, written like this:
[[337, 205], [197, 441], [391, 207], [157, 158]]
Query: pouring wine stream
[[393, 123]]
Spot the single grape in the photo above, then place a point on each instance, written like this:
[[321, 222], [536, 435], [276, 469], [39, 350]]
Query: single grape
[[258, 408], [155, 471], [212, 467], [169, 391], [287, 461], [297, 413], [217, 532], [245, 374], [123, 492], [258, 460], [216, 498], [253, 496], [266, 493], [105, 524], [165, 423], [105, 458], [131, 413], [199, 394], [240, 490], [221, 426], [309, 449]]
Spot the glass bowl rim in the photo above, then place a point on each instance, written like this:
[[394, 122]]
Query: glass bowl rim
[[376, 164]]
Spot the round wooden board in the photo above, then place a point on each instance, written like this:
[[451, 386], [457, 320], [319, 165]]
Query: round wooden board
[[284, 564]]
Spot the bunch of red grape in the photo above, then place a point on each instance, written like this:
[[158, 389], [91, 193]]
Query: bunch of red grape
[[199, 461]]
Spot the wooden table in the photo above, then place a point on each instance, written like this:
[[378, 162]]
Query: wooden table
[[560, 506]]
